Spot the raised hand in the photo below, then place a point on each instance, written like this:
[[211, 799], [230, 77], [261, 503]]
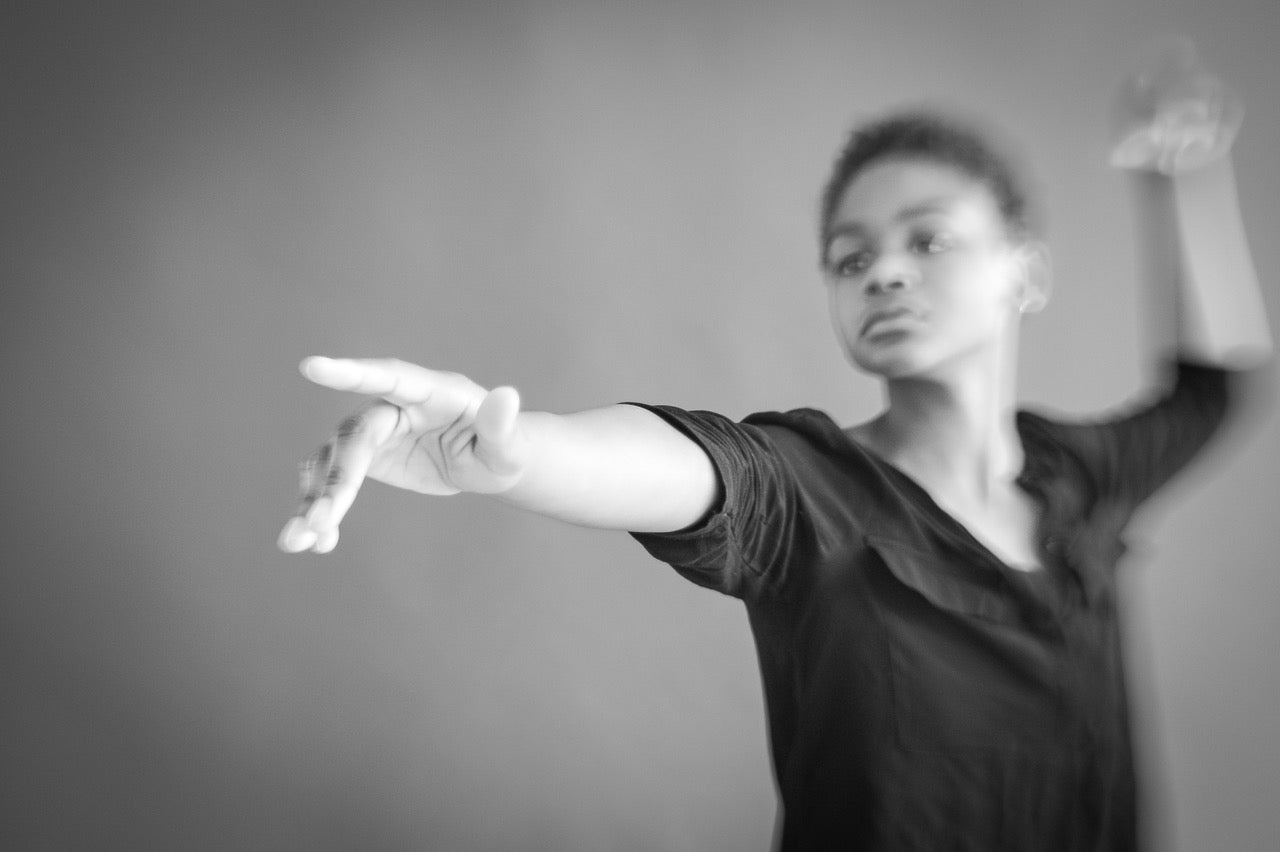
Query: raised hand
[[1171, 115], [428, 431]]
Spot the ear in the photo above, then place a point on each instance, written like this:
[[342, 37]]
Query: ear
[[1035, 283]]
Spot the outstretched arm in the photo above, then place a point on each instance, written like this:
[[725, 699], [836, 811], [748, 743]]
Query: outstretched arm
[[440, 433]]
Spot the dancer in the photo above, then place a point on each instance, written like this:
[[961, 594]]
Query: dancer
[[931, 592]]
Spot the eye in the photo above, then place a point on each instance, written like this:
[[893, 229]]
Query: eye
[[932, 242], [853, 264]]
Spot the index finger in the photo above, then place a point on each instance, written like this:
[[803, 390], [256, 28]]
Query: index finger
[[397, 381]]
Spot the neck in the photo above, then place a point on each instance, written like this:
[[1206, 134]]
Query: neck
[[954, 432]]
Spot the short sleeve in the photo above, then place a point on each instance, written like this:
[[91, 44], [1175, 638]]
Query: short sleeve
[[744, 545], [1131, 454]]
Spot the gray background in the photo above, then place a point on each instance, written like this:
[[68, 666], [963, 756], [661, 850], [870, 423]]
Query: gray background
[[593, 201]]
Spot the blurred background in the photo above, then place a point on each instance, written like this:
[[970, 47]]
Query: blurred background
[[595, 202]]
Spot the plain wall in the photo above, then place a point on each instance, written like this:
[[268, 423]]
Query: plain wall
[[593, 201]]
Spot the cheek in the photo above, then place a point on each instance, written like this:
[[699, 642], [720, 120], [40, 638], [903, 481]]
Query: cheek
[[980, 292], [844, 308]]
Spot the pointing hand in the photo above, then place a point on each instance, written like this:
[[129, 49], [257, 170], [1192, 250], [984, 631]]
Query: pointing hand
[[427, 431]]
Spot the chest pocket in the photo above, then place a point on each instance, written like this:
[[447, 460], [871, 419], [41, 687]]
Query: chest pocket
[[973, 663]]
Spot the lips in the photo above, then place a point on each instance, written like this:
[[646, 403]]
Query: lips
[[885, 315]]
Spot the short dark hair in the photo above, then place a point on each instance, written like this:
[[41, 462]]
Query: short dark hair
[[931, 135]]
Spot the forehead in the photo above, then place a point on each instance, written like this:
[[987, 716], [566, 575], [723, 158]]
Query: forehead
[[895, 189]]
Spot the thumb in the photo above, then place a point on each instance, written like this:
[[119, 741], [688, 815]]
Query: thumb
[[500, 445]]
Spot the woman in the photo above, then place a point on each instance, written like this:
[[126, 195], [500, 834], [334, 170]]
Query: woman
[[931, 592]]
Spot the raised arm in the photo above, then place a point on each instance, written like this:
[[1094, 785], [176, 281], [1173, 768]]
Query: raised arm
[[1176, 124], [440, 433], [1191, 235]]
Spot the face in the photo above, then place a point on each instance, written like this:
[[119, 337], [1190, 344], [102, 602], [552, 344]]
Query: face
[[921, 271]]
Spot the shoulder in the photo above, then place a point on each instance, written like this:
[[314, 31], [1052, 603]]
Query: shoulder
[[1052, 442], [808, 425], [803, 447]]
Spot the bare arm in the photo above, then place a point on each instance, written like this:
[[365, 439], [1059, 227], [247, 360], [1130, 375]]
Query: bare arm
[[1176, 123], [619, 468], [440, 433], [1191, 233]]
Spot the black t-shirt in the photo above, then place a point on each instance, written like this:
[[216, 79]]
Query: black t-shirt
[[922, 694]]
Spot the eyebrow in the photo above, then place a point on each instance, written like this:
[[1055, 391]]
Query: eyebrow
[[939, 204]]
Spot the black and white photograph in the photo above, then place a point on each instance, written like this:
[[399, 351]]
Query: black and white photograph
[[640, 426]]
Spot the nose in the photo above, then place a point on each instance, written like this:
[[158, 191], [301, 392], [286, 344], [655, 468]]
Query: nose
[[889, 274]]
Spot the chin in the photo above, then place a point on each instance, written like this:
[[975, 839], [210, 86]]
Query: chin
[[898, 362], [887, 367]]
